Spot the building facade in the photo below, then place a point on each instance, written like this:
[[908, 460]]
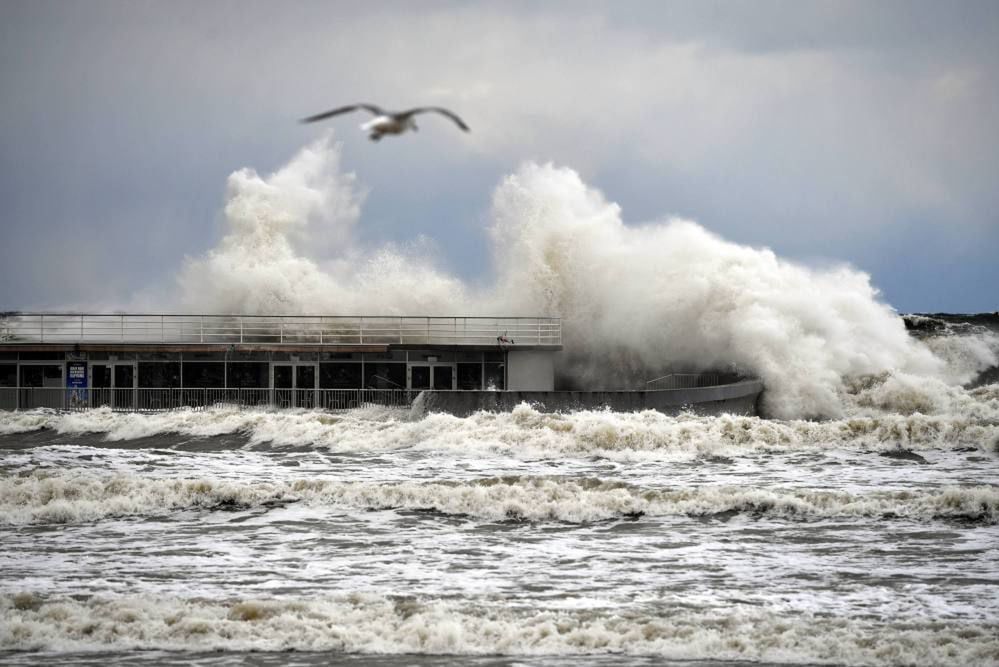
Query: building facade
[[150, 362]]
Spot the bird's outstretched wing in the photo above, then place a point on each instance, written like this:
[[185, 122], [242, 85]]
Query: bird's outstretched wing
[[450, 114], [335, 112]]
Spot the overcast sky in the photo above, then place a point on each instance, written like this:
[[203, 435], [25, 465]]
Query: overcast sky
[[858, 132]]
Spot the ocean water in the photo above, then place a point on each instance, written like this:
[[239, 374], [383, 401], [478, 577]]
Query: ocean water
[[389, 537]]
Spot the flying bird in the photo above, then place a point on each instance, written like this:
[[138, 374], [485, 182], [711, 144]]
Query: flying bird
[[387, 122]]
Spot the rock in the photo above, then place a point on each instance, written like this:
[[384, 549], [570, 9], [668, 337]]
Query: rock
[[904, 455]]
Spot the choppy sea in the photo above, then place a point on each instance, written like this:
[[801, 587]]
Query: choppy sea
[[388, 537]]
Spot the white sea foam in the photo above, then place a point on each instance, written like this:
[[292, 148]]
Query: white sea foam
[[26, 421], [635, 299], [68, 497], [365, 623], [922, 415]]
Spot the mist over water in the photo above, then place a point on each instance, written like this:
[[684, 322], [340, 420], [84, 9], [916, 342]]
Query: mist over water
[[635, 300]]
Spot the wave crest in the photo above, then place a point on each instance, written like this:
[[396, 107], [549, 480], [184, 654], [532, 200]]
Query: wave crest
[[369, 623], [43, 497]]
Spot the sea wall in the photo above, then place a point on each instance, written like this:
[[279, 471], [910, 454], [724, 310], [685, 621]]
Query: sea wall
[[735, 398]]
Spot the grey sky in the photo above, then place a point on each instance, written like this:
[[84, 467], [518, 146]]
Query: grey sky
[[845, 131]]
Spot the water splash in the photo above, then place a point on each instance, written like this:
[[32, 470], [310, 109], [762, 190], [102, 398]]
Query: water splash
[[635, 299]]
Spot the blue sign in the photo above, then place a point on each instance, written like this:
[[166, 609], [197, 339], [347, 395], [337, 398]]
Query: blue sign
[[76, 382]]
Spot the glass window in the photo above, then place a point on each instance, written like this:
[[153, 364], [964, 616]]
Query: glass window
[[204, 356], [384, 375], [247, 375], [283, 378], [494, 376], [339, 356], [443, 376], [100, 376], [203, 374], [470, 376], [305, 377], [41, 376], [42, 356], [390, 355], [159, 375], [432, 355], [157, 356], [8, 375], [340, 376], [249, 356], [124, 376], [419, 377]]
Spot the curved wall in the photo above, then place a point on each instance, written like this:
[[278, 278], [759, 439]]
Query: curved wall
[[735, 398]]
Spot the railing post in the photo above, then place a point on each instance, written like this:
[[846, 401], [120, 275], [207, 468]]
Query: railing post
[[240, 328], [81, 327], [281, 331], [162, 330], [360, 331], [122, 322], [201, 321], [41, 329]]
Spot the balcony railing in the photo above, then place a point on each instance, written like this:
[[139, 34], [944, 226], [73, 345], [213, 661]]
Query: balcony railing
[[75, 328], [685, 381], [157, 399]]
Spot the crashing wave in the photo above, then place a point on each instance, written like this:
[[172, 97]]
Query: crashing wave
[[70, 497], [374, 624]]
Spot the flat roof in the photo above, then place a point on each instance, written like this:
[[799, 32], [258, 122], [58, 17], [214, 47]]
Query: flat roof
[[155, 332]]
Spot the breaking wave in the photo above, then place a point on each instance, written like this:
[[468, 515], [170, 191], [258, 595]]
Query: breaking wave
[[889, 412], [368, 623], [66, 497], [638, 299]]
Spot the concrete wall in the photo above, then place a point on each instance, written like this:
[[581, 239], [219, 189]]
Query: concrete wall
[[530, 370], [735, 398]]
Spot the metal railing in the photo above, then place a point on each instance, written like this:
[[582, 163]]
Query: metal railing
[[275, 330], [684, 381], [159, 399]]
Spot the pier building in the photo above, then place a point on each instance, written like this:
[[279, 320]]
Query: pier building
[[146, 362], [149, 362]]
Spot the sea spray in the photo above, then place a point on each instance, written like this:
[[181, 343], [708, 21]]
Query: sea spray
[[290, 248], [635, 300]]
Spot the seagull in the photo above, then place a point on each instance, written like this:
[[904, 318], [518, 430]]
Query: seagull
[[387, 122]]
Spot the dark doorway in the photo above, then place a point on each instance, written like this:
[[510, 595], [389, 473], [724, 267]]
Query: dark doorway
[[305, 382], [420, 377], [283, 386], [124, 383], [442, 377]]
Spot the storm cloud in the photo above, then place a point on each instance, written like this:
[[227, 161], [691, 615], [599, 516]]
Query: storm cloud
[[829, 132]]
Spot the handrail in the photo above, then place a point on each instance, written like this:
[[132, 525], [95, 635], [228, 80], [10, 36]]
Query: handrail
[[155, 399], [34, 327], [684, 381]]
